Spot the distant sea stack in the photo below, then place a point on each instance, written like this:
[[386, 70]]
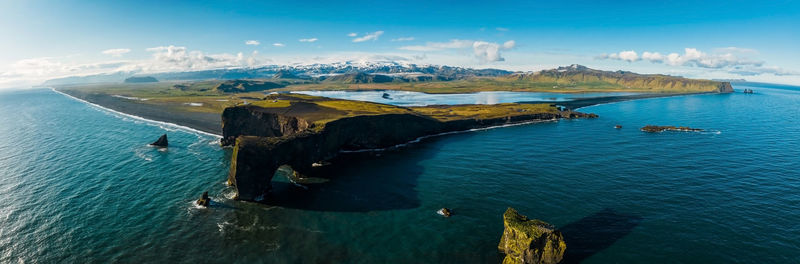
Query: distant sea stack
[[161, 142], [142, 79], [530, 241]]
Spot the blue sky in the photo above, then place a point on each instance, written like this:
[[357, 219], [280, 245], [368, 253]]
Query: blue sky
[[709, 39]]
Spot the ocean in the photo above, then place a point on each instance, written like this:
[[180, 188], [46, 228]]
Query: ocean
[[80, 184]]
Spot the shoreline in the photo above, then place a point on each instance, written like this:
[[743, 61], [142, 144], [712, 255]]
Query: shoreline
[[585, 102], [149, 116], [211, 124]]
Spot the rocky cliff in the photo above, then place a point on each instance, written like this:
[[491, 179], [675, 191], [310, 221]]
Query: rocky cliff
[[265, 138], [529, 240], [251, 121]]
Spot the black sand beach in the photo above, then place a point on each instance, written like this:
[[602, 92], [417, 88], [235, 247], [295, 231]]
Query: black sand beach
[[206, 122]]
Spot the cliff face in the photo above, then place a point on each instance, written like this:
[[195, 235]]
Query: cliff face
[[248, 120], [725, 87], [529, 240], [265, 141], [255, 159]]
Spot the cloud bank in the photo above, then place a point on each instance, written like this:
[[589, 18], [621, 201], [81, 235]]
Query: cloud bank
[[308, 40], [482, 50], [729, 59]]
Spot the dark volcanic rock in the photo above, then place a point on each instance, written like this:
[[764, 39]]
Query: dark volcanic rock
[[654, 129], [204, 200], [161, 142], [725, 87], [529, 240]]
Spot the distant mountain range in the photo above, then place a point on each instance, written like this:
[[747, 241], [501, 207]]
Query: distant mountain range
[[403, 76], [357, 71]]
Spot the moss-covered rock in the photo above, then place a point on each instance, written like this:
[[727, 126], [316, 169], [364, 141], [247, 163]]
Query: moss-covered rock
[[529, 240]]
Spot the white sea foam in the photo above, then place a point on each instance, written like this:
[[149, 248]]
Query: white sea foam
[[161, 124]]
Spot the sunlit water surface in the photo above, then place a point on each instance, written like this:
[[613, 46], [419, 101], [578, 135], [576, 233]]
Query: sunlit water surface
[[80, 184]]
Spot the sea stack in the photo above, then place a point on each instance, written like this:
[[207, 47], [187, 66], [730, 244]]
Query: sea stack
[[204, 200], [161, 142], [529, 240], [446, 212]]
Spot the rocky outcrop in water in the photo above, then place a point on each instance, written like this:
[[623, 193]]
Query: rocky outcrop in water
[[204, 200], [529, 240], [725, 87], [446, 212], [655, 129], [161, 142]]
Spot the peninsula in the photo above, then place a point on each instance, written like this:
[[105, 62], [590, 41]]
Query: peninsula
[[196, 99], [301, 130], [268, 126]]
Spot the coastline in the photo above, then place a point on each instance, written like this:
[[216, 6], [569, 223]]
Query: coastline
[[211, 124], [152, 114], [584, 102]]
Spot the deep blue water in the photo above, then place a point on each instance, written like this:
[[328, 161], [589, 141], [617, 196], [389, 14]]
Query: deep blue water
[[79, 184]]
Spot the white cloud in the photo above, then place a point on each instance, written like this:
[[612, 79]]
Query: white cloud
[[727, 59], [509, 44], [501, 29], [116, 52], [404, 39], [172, 58], [276, 44], [628, 55], [371, 36], [484, 51], [252, 42], [308, 40], [653, 56], [435, 46], [353, 34]]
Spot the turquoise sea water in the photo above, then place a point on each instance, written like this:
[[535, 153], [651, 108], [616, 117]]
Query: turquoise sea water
[[79, 184]]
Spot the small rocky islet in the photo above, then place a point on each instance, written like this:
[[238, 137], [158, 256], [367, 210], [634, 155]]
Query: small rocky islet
[[204, 201], [530, 241], [656, 129]]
